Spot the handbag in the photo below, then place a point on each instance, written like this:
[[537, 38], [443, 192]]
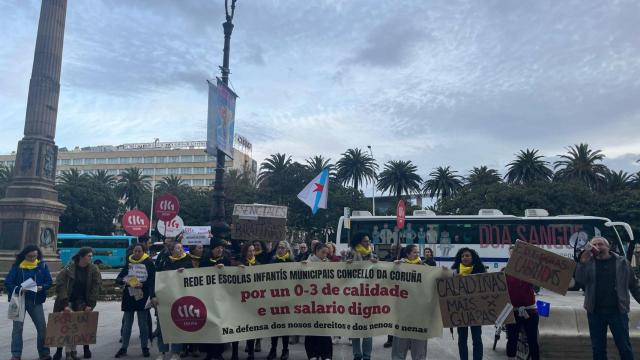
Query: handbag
[[16, 307]]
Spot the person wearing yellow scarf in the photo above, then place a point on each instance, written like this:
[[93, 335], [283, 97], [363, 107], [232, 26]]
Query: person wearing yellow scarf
[[140, 260], [179, 257], [29, 265], [364, 251], [251, 261], [468, 262], [465, 270], [282, 253]]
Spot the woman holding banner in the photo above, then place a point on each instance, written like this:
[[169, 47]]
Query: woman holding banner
[[361, 250], [29, 266], [247, 258], [467, 262], [77, 288], [282, 255], [401, 346], [195, 254], [215, 257], [318, 347], [428, 257], [178, 261], [138, 277]]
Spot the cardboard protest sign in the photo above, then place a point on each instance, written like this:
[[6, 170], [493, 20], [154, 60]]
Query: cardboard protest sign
[[540, 267], [361, 299], [73, 328], [259, 222], [196, 235], [474, 300]]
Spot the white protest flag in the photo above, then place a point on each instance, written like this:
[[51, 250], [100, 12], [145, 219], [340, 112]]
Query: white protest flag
[[316, 192]]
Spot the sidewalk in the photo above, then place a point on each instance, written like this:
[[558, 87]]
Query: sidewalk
[[109, 335]]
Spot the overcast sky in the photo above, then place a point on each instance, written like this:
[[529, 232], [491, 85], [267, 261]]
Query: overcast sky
[[460, 83]]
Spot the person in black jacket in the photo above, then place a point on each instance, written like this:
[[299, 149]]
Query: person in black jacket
[[177, 260], [282, 255], [303, 253], [247, 258], [428, 257], [216, 257], [467, 262], [138, 277]]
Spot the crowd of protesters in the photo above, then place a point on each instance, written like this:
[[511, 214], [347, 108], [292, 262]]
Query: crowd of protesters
[[608, 279]]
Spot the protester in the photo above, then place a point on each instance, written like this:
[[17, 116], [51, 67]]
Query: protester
[[178, 261], [303, 252], [361, 250], [217, 257], [262, 253], [523, 299], [282, 255], [77, 288], [195, 254], [608, 278], [332, 256], [138, 277], [248, 257], [428, 257], [465, 263], [319, 347], [395, 253], [29, 265], [401, 346]]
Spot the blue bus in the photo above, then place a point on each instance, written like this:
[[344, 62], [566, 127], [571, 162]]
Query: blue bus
[[107, 250]]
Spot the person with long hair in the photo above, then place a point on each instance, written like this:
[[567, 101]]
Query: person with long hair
[[361, 250], [138, 278], [77, 288], [401, 346], [332, 256], [318, 347], [177, 260], [282, 255], [29, 265], [195, 254], [467, 262], [215, 257], [247, 258], [428, 258]]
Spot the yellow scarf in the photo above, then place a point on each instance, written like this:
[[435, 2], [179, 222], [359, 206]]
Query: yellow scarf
[[364, 251], [142, 258], [29, 265], [251, 261], [184, 255], [465, 270], [215, 260], [194, 257], [415, 261], [284, 257]]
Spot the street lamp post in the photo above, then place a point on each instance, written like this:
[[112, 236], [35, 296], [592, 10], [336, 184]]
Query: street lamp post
[[373, 190], [219, 227]]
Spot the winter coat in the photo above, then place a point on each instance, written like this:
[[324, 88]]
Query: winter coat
[[40, 275], [129, 303], [206, 261], [353, 255], [64, 286]]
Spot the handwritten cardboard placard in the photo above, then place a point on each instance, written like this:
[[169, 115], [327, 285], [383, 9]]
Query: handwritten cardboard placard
[[259, 210], [73, 328], [473, 300], [540, 267], [264, 228]]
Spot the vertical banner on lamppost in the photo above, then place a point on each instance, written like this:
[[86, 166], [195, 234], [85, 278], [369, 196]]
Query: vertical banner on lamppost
[[220, 119]]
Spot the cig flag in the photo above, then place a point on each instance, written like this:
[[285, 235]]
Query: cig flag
[[316, 192]]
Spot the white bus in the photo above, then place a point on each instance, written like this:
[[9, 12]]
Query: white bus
[[490, 233]]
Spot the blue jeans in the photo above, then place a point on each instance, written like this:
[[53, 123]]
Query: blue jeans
[[164, 348], [476, 339], [143, 326], [619, 325], [36, 313], [365, 351]]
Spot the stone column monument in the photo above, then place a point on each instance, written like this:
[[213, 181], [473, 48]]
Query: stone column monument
[[30, 212]]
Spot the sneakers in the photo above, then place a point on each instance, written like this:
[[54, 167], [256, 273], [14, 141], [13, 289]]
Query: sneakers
[[145, 352]]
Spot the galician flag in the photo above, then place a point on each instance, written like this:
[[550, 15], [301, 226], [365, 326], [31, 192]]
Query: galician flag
[[316, 192]]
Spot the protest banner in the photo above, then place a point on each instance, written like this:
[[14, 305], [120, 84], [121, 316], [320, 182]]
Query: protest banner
[[540, 267], [196, 235], [359, 299], [259, 222], [474, 299], [72, 328]]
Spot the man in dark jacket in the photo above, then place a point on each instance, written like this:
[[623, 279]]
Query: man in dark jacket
[[608, 278]]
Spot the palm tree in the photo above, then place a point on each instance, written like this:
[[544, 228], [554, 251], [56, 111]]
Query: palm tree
[[72, 177], [356, 167], [6, 175], [274, 165], [582, 164], [443, 183], [102, 177], [132, 185], [316, 164], [171, 184], [617, 181], [483, 176], [399, 177], [527, 168]]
